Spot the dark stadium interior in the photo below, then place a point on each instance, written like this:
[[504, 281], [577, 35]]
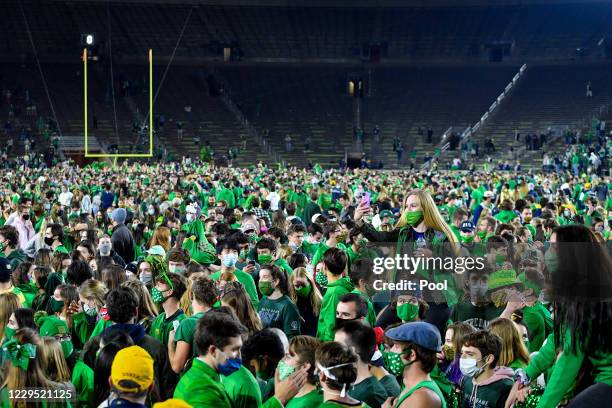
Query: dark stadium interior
[[288, 69]]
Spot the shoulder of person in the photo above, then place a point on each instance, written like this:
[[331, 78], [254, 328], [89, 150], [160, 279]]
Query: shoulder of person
[[423, 397]]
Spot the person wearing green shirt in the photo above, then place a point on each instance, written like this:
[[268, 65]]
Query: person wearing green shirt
[[180, 341], [506, 214], [360, 275], [200, 250], [9, 246], [458, 217], [311, 244], [83, 380], [536, 317], [276, 309], [335, 261], [334, 238], [581, 325], [228, 251], [337, 368], [302, 354], [242, 388], [218, 340], [267, 251], [167, 293], [412, 358], [361, 338], [485, 229]]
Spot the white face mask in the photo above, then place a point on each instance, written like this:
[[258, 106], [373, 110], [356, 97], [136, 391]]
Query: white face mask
[[190, 217], [229, 260], [469, 368]]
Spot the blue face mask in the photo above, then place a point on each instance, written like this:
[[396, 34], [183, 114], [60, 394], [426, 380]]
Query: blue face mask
[[230, 366]]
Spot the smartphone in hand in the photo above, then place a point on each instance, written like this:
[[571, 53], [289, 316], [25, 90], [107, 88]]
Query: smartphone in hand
[[365, 199]]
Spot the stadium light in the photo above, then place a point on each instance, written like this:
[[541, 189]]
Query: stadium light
[[88, 39]]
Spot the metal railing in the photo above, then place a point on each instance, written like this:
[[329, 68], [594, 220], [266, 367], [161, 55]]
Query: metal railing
[[471, 130]]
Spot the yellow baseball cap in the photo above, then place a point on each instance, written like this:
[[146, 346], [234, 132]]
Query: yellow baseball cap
[[172, 403], [132, 370]]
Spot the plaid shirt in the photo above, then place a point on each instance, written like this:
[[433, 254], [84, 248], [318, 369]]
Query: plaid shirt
[[261, 213]]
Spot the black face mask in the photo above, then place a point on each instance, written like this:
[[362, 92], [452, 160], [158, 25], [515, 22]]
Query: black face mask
[[340, 322], [25, 217], [49, 241]]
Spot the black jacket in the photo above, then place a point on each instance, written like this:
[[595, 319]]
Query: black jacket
[[165, 378], [123, 243]]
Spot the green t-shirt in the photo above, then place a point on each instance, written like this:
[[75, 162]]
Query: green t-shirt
[[248, 282], [390, 384], [162, 326], [313, 399], [201, 387], [242, 388], [280, 313], [539, 325], [83, 380], [369, 391], [186, 330]]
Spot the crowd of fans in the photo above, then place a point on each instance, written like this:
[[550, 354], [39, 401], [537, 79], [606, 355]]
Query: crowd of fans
[[183, 284]]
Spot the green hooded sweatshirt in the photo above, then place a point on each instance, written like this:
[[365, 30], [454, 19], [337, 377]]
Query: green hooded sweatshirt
[[327, 316]]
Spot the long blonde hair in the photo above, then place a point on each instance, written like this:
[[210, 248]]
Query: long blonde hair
[[512, 343], [315, 296], [431, 216], [9, 302], [53, 361], [34, 376]]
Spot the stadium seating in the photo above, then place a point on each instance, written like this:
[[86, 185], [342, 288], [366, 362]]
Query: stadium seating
[[410, 33], [303, 101], [548, 96]]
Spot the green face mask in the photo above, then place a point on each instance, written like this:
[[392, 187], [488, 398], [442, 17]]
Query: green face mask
[[468, 240], [394, 363], [9, 333], [243, 254], [482, 234], [449, 352], [407, 312], [304, 291], [551, 260], [500, 259], [284, 370], [265, 287], [2, 246], [413, 218], [264, 259], [157, 296], [321, 279], [56, 305]]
